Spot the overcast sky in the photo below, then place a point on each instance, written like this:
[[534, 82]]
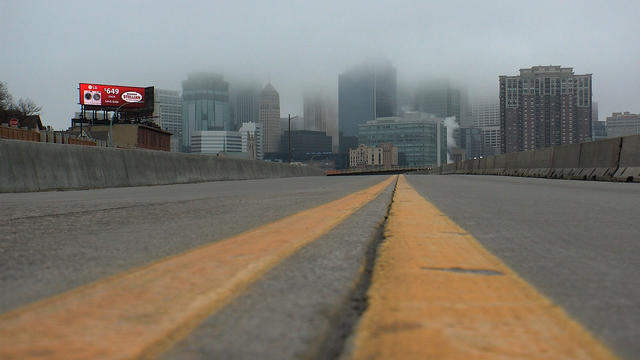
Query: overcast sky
[[48, 47]]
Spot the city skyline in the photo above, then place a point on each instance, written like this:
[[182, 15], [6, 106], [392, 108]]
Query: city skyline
[[291, 46]]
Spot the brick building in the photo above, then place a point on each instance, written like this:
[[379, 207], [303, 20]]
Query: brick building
[[544, 106]]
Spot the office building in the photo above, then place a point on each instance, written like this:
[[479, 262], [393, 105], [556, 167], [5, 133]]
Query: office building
[[439, 98], [420, 138], [544, 106], [167, 113], [245, 103], [471, 140], [365, 93], [321, 114], [269, 118], [214, 142], [205, 105], [623, 124], [252, 135], [485, 114], [305, 142]]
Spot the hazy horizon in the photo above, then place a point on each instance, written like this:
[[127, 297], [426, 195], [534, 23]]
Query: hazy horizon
[[50, 47]]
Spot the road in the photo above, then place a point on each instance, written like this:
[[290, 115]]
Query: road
[[304, 250]]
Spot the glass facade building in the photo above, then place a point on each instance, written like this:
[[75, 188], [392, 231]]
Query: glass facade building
[[365, 93], [420, 138], [205, 106]]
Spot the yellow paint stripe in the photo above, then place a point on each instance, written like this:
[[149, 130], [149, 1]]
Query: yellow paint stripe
[[436, 293], [142, 312]]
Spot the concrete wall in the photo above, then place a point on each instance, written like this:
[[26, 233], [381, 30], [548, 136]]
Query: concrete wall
[[33, 166], [616, 159]]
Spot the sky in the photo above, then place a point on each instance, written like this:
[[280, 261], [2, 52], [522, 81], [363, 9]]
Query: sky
[[48, 47]]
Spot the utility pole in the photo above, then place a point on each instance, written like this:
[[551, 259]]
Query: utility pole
[[289, 139]]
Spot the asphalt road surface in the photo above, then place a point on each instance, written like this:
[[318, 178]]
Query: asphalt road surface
[[577, 242]]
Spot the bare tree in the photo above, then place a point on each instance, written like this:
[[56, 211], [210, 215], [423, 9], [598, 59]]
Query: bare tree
[[28, 107], [6, 100]]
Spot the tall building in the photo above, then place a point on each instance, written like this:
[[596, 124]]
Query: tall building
[[365, 93], [420, 137], [167, 113], [471, 140], [252, 130], [205, 105], [269, 117], [485, 114], [544, 106], [439, 98], [245, 103], [321, 114], [623, 124]]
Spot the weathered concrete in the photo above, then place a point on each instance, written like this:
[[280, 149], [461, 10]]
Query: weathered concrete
[[629, 161], [32, 166], [566, 161], [599, 159]]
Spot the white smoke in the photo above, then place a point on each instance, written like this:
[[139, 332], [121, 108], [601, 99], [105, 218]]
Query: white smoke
[[451, 125]]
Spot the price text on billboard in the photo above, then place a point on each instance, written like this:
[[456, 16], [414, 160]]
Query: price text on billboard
[[111, 96]]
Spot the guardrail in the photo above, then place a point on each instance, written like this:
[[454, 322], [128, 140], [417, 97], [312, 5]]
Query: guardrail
[[615, 159], [373, 170]]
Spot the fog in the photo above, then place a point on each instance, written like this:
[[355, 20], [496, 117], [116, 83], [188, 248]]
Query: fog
[[48, 47]]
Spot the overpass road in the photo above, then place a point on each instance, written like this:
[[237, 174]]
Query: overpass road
[[358, 267]]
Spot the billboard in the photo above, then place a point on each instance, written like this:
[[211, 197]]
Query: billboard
[[111, 96]]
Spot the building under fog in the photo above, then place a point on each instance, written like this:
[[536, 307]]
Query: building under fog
[[249, 132], [205, 106], [622, 124], [167, 113], [269, 118], [321, 114], [485, 115], [365, 93]]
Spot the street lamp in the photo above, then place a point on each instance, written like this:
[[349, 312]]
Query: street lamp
[[115, 113], [290, 136]]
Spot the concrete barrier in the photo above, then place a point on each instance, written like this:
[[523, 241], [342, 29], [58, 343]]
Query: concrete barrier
[[566, 161], [629, 160], [598, 159], [490, 165], [32, 166], [500, 164]]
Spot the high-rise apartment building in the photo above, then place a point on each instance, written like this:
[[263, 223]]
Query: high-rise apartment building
[[623, 124], [167, 113], [544, 106], [485, 114], [205, 105], [269, 117], [365, 93]]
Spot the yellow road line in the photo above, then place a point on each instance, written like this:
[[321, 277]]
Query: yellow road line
[[140, 313], [436, 293]]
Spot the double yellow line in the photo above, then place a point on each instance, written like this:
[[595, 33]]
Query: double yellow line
[[436, 293]]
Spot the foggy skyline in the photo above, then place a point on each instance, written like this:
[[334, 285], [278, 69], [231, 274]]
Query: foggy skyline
[[50, 47]]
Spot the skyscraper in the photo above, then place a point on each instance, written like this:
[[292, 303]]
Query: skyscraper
[[544, 106], [269, 117], [439, 98], [167, 113], [245, 103], [485, 114], [205, 105], [321, 114], [366, 92]]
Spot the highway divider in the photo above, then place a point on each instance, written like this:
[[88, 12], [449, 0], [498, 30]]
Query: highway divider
[[33, 166], [615, 159]]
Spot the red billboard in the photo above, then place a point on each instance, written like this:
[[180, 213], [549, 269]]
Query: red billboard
[[111, 96]]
